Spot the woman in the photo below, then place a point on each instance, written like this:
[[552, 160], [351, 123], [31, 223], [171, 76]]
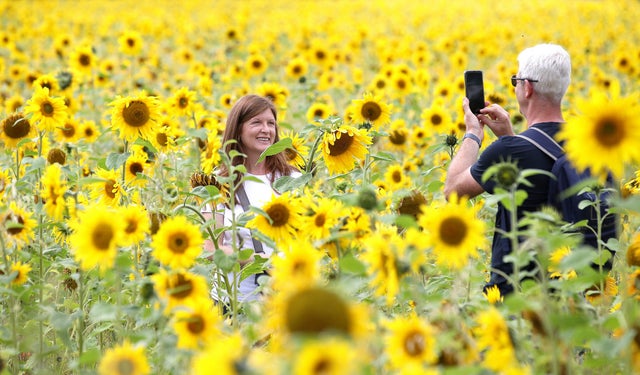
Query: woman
[[252, 124]]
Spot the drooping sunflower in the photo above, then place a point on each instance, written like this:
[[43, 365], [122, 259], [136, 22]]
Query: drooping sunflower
[[196, 326], [22, 273], [96, 238], [299, 151], [182, 102], [605, 136], [136, 223], [410, 341], [135, 116], [108, 191], [284, 218], [343, 147], [18, 224], [177, 243], [124, 359], [180, 289], [45, 111], [52, 192], [453, 230], [371, 110], [15, 128], [331, 356]]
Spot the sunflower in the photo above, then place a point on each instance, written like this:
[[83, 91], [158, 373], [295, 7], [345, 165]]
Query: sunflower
[[182, 102], [108, 189], [130, 43], [210, 156], [134, 116], [396, 177], [53, 190], [453, 230], [606, 136], [136, 223], [5, 181], [319, 111], [124, 359], [225, 354], [15, 128], [343, 147], [324, 215], [137, 168], [401, 84], [96, 237], [331, 356], [177, 243], [382, 258], [69, 131], [275, 92], [18, 224], [410, 342], [83, 60], [299, 267], [196, 326], [437, 119], [299, 151], [398, 137], [22, 273], [46, 111], [633, 288], [379, 84], [555, 259], [492, 294], [88, 131], [283, 219], [13, 103], [256, 64], [180, 289], [297, 68], [371, 110], [46, 81], [493, 338]]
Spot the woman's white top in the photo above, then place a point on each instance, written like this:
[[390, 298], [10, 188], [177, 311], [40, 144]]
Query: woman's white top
[[259, 194]]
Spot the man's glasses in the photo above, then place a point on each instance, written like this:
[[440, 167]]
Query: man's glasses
[[514, 80]]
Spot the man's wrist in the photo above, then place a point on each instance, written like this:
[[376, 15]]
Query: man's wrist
[[474, 137]]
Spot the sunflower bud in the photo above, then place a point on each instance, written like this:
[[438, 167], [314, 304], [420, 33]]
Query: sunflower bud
[[64, 79], [451, 140], [507, 175], [146, 291], [367, 199]]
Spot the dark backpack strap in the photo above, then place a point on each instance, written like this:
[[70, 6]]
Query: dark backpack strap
[[244, 202], [544, 142]]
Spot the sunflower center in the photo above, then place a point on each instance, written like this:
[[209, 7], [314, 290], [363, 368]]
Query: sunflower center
[[110, 188], [131, 42], [47, 109], [16, 127], [178, 243], [68, 130], [341, 145], [85, 60], [396, 176], [56, 155], [182, 288], [162, 139], [453, 231], [397, 137], [136, 168], [126, 366], [411, 204], [256, 64], [196, 325], [316, 310], [320, 220], [290, 154], [102, 236], [371, 111], [15, 230], [136, 114], [322, 367], [279, 214], [436, 119], [414, 344], [132, 225], [183, 102], [609, 133]]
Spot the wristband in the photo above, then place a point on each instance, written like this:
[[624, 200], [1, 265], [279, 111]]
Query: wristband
[[474, 137]]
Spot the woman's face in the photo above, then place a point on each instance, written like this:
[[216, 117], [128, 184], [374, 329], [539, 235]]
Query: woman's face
[[258, 133]]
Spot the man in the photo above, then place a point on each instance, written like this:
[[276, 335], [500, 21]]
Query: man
[[544, 74]]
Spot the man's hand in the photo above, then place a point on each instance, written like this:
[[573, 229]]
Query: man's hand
[[497, 119]]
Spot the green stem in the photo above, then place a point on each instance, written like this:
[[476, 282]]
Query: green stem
[[513, 233], [81, 326], [309, 165]]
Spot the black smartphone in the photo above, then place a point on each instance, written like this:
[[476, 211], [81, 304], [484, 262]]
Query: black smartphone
[[474, 90]]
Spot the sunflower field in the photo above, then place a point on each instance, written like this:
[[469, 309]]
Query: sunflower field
[[112, 115]]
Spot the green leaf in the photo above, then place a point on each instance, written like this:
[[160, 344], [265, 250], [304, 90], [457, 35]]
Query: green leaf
[[103, 312], [223, 261], [350, 264], [276, 148], [90, 357], [116, 160], [288, 183]]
